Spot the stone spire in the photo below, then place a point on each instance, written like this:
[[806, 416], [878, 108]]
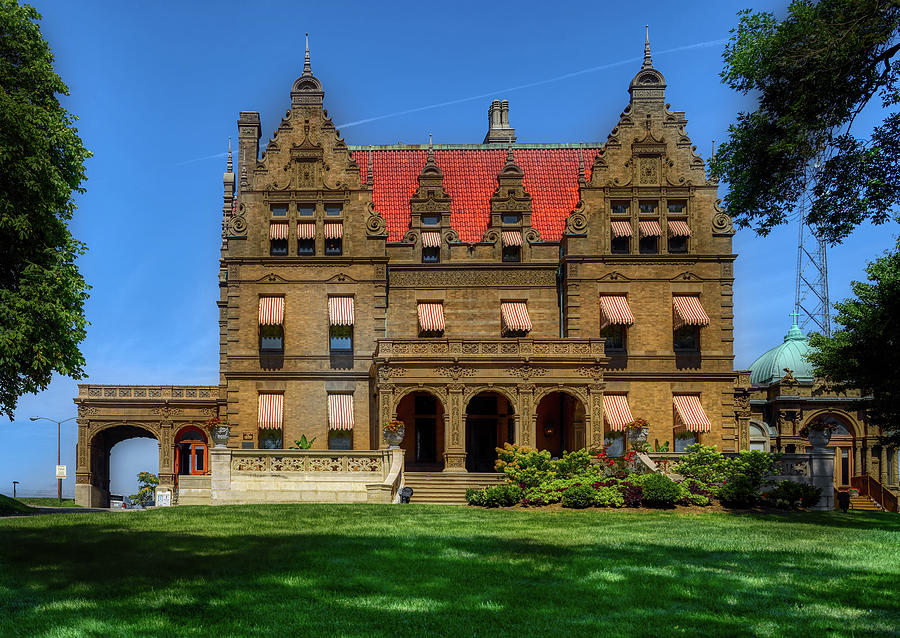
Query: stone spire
[[307, 90], [648, 63], [511, 169], [648, 85], [431, 169], [229, 167], [307, 69]]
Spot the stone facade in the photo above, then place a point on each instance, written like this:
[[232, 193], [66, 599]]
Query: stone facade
[[545, 386]]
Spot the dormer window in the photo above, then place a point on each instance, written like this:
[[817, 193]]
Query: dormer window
[[512, 245], [431, 247], [431, 220], [511, 218]]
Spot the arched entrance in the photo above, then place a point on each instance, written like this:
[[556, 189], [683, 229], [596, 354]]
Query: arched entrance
[[560, 423], [423, 443], [489, 423], [101, 444], [191, 452]]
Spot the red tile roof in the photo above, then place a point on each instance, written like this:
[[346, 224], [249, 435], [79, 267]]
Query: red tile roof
[[470, 178]]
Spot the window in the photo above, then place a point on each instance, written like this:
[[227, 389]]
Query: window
[[683, 439], [333, 210], [431, 319], [512, 253], [341, 338], [271, 324], [686, 339], [431, 220], [514, 319], [334, 233], [271, 410], [306, 210], [191, 451], [678, 244], [677, 207], [648, 207], [648, 245], [431, 255], [689, 317], [620, 208], [340, 421], [679, 231], [278, 239], [512, 245], [340, 319], [270, 439], [511, 218], [689, 420], [431, 247], [306, 247], [279, 210], [615, 335], [306, 238], [650, 230], [620, 245], [271, 339], [340, 440], [615, 443]]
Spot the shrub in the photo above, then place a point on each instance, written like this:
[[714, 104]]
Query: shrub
[[794, 494], [632, 494], [578, 497], [475, 496], [694, 492], [607, 496], [524, 466], [704, 463], [740, 491], [754, 464], [572, 463], [503, 495], [659, 490]]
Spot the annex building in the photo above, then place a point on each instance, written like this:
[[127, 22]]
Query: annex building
[[542, 294]]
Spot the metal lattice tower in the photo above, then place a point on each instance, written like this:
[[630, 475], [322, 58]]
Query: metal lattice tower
[[812, 309]]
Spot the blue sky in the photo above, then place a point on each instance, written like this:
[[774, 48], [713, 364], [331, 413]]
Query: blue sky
[[158, 88]]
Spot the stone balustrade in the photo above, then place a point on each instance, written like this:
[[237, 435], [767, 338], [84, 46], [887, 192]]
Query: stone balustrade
[[490, 348], [143, 392]]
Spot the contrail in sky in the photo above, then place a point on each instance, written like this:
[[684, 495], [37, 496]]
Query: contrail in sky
[[201, 159], [565, 76]]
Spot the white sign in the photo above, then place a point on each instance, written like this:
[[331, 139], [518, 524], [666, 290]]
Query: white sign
[[60, 471], [163, 497]]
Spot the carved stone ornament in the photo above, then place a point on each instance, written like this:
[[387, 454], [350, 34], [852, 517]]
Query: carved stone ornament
[[388, 372], [526, 371], [237, 224], [88, 410], [375, 224], [166, 411], [455, 371], [721, 223], [576, 222], [472, 277], [532, 236], [491, 236], [788, 378], [595, 371]]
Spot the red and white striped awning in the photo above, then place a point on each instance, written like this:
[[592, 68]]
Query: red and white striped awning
[[678, 229], [650, 229], [278, 230], [340, 411], [431, 239], [616, 411], [688, 312], [614, 309], [334, 230], [511, 237], [271, 311], [621, 229], [271, 409], [340, 311], [689, 413], [431, 317], [306, 230], [515, 316]]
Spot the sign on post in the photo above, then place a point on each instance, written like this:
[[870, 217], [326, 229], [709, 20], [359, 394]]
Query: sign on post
[[60, 471], [163, 497]]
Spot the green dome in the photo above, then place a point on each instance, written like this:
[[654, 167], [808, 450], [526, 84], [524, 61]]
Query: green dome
[[791, 354]]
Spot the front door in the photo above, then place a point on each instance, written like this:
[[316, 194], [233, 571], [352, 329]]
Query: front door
[[481, 444], [190, 457]]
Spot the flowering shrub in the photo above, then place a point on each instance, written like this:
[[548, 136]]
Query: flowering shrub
[[217, 421], [632, 494], [526, 467], [572, 463]]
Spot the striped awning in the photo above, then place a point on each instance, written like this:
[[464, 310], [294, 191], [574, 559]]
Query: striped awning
[[678, 229], [431, 239], [615, 310], [515, 316], [621, 229], [431, 317], [689, 413], [340, 411], [340, 311], [616, 411], [278, 230], [334, 230], [271, 311], [511, 237], [650, 229], [689, 312], [271, 409], [306, 230]]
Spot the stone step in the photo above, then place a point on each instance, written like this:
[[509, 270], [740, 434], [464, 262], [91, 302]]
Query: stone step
[[864, 503], [447, 488]]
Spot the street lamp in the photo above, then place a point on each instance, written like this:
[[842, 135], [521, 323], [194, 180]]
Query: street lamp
[[14, 488], [58, 428]]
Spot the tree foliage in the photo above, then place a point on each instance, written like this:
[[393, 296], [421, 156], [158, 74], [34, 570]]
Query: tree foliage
[[811, 74], [147, 483], [42, 293], [865, 352]]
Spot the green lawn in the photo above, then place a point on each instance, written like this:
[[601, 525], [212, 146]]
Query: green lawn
[[320, 570], [49, 502]]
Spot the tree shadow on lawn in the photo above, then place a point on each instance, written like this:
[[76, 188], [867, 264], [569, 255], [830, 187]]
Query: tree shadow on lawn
[[854, 519], [96, 580]]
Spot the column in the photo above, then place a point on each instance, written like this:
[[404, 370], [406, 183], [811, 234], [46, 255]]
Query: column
[[386, 411], [83, 488], [455, 431], [857, 458], [526, 417], [594, 416], [882, 465], [166, 462]]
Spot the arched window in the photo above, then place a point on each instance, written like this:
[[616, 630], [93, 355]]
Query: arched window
[[759, 440]]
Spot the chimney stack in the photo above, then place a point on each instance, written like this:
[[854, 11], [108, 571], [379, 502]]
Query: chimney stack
[[499, 131]]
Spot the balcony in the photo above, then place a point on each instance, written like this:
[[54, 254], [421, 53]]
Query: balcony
[[487, 350]]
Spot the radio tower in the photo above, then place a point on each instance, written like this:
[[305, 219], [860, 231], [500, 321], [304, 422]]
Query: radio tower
[[812, 310]]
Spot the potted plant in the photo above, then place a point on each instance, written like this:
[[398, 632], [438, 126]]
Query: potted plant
[[303, 443], [393, 433], [637, 430], [220, 430], [818, 432]]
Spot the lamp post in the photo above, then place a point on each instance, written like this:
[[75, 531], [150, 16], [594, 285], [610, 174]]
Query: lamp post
[[58, 428], [14, 488]]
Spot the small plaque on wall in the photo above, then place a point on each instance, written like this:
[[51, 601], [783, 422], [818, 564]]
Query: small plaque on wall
[[247, 445]]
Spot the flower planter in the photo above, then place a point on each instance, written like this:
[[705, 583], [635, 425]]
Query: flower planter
[[220, 434], [819, 438], [636, 434], [393, 439]]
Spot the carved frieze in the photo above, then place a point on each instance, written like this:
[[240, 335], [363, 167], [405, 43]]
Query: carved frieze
[[467, 278], [526, 371], [455, 371]]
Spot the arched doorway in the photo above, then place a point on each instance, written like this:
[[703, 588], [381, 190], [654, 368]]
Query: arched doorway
[[560, 423], [191, 452], [423, 443], [101, 445], [489, 423]]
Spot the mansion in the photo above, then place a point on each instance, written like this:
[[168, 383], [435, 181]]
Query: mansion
[[539, 294]]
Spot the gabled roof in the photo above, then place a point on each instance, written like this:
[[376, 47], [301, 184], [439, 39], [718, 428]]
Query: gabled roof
[[470, 178]]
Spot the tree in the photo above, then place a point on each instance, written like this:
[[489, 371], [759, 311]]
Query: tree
[[146, 493], [865, 353], [42, 293], [811, 74]]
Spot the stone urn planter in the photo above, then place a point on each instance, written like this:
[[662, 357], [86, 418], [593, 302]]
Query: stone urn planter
[[636, 435], [394, 437], [220, 434], [819, 438]]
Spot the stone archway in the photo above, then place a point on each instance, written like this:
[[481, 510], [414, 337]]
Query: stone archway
[[92, 486], [424, 443], [490, 422], [560, 423]]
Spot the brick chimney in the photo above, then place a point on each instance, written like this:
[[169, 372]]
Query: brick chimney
[[499, 130]]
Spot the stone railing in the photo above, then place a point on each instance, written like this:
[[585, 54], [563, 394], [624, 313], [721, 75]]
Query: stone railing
[[312, 476], [460, 348], [90, 391]]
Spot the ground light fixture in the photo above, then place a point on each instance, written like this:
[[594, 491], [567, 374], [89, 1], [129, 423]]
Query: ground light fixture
[[58, 428]]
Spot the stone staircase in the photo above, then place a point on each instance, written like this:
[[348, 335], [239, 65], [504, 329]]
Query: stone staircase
[[864, 503], [447, 488]]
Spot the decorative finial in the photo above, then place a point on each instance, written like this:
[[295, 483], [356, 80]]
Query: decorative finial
[[648, 63], [509, 155], [795, 315], [714, 150], [228, 165], [429, 141], [307, 69], [581, 178]]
